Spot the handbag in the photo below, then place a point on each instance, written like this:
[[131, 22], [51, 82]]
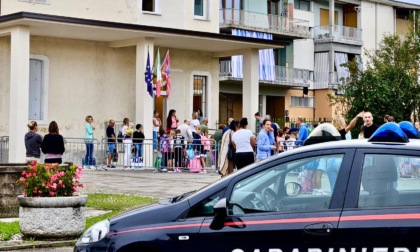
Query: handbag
[[190, 153], [231, 150]]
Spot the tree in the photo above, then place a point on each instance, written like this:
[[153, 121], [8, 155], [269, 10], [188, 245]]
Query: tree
[[389, 84]]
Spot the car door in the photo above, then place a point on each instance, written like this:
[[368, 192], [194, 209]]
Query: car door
[[264, 213], [382, 208]]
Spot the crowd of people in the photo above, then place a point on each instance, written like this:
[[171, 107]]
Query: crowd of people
[[187, 145]]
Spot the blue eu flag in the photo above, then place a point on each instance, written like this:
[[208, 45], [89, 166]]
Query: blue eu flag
[[148, 76]]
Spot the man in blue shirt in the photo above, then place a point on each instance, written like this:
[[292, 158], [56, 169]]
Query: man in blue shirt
[[303, 131]]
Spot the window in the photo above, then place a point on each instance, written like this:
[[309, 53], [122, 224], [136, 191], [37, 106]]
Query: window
[[304, 5], [277, 188], [298, 101], [201, 9], [200, 93], [149, 5], [38, 88], [205, 207], [390, 180]]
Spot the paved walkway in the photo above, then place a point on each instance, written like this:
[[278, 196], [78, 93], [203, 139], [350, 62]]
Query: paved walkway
[[144, 182]]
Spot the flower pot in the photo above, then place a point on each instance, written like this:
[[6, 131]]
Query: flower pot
[[52, 217]]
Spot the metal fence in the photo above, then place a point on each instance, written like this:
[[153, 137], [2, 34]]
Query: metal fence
[[4, 149]]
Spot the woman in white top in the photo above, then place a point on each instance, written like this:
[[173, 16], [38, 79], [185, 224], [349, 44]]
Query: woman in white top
[[194, 122], [244, 142], [127, 142]]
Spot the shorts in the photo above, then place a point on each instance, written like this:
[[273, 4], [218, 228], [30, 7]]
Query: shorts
[[111, 148], [203, 153]]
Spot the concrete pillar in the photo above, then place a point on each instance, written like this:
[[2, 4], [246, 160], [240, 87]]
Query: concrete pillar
[[331, 66], [19, 93], [250, 86], [331, 7], [144, 102]]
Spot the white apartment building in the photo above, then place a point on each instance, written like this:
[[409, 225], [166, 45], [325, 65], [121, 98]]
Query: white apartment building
[[323, 34]]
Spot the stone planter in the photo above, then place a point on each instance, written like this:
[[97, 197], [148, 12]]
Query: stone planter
[[52, 217], [9, 190]]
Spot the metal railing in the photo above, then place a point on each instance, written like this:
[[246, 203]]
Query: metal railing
[[4, 149], [283, 75], [337, 33], [248, 20]]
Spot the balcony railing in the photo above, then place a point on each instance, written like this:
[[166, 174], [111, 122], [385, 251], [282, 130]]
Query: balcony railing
[[283, 75], [234, 18], [337, 33]]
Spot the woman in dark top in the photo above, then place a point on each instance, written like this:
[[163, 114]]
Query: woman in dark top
[[53, 145], [138, 138], [340, 124], [33, 142]]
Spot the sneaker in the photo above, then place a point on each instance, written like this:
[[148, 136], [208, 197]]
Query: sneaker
[[126, 168], [112, 166], [203, 171], [92, 167], [164, 170], [178, 170], [85, 167]]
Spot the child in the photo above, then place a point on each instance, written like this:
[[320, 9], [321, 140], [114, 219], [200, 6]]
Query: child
[[291, 142], [138, 138], [179, 145]]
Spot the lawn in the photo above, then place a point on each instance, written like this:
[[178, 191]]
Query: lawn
[[114, 202]]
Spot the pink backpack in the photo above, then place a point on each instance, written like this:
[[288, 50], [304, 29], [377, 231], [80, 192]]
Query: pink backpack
[[205, 142]]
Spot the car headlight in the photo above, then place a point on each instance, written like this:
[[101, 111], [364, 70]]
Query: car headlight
[[95, 233]]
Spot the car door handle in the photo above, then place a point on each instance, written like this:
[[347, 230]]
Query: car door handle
[[319, 229], [183, 237]]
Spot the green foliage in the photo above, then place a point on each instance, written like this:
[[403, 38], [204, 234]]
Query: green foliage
[[389, 84], [7, 229]]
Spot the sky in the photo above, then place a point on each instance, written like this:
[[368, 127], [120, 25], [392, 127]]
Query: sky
[[409, 1]]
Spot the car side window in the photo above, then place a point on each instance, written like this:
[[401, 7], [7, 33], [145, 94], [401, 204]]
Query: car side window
[[300, 185], [205, 207], [389, 181]]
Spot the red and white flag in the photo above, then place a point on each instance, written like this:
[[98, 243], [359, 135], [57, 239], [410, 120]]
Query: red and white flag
[[166, 73], [157, 73]]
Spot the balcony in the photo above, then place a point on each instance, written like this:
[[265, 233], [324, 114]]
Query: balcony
[[337, 33], [240, 19], [283, 76]]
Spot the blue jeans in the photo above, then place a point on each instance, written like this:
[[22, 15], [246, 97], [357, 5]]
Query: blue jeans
[[138, 150], [155, 140], [89, 154]]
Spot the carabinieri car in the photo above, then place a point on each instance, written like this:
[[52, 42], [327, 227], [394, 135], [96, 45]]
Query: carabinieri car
[[339, 196]]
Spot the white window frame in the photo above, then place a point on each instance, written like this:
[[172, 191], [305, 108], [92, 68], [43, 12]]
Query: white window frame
[[206, 11], [44, 86], [156, 10], [303, 102], [207, 111]]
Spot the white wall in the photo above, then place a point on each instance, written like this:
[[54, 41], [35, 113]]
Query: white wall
[[170, 14], [90, 78], [377, 20], [303, 54], [305, 15]]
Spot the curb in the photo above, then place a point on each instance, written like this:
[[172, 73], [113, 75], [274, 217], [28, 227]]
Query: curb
[[41, 244]]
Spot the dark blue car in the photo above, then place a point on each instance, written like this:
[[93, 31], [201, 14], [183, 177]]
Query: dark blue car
[[339, 196]]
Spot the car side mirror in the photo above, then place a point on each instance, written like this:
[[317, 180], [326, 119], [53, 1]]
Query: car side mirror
[[293, 189], [220, 213]]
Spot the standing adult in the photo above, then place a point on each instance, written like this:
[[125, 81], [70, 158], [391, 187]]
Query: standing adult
[[259, 120], [369, 127], [156, 125], [110, 134], [303, 131], [204, 127], [194, 122], [227, 127], [226, 165], [265, 141], [244, 141], [340, 124], [186, 131], [200, 115], [53, 145], [89, 130], [126, 135], [171, 121], [33, 142]]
